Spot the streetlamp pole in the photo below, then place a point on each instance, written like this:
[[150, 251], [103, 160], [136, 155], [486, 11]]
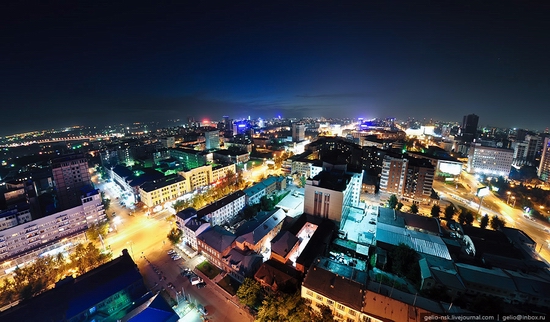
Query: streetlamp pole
[[480, 202]]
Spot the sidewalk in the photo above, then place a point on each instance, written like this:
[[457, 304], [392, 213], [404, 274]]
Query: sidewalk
[[218, 289]]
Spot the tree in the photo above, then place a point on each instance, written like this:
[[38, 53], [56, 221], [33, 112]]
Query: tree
[[404, 262], [414, 209], [469, 218], [179, 205], [302, 181], [249, 292], [392, 202], [462, 217], [325, 315], [435, 211], [96, 230], [175, 235], [484, 221], [285, 307], [449, 212], [497, 223], [399, 206], [105, 201]]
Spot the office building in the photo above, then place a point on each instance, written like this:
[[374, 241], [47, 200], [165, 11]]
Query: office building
[[469, 128], [489, 161], [212, 140]]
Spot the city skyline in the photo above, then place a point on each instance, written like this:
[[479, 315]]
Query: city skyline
[[75, 65]]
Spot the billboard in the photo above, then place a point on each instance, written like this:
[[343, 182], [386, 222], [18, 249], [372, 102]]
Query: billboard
[[449, 167]]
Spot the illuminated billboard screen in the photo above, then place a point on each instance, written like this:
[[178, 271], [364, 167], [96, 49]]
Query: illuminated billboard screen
[[481, 192], [453, 168]]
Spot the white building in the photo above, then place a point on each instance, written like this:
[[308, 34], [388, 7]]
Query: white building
[[223, 210], [332, 192], [49, 234], [489, 160]]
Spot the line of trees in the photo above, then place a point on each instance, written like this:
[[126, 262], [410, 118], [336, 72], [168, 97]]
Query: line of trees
[[279, 306], [45, 271]]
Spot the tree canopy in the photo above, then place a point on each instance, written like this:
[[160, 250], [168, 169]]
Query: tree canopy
[[392, 201], [449, 212], [249, 292], [484, 221], [435, 211]]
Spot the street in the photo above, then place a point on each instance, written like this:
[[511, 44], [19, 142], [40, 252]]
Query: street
[[146, 240]]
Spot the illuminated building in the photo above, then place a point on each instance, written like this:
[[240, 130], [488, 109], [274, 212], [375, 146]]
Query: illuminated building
[[159, 191], [223, 210], [407, 178], [544, 166], [489, 160], [330, 193], [212, 140], [298, 132], [49, 234]]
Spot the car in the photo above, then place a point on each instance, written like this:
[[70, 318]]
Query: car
[[170, 285], [171, 251], [178, 257], [196, 280], [201, 285]]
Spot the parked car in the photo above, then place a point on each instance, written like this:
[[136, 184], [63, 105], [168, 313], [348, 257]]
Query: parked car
[[171, 251], [196, 280], [201, 285], [176, 258]]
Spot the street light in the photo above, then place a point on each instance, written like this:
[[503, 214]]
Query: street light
[[514, 198]]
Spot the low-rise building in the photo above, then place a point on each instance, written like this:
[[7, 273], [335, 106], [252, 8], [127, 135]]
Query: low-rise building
[[159, 191], [191, 226], [257, 234], [215, 243], [343, 295], [264, 188], [223, 210], [241, 263]]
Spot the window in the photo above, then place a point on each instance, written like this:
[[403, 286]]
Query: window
[[340, 306]]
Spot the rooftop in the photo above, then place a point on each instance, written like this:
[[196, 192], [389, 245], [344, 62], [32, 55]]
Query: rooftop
[[336, 287]]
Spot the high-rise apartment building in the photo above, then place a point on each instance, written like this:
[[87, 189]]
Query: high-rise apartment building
[[544, 166], [298, 132], [469, 127], [407, 178], [70, 176]]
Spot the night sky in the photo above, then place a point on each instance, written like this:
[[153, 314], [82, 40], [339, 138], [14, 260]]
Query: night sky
[[106, 64]]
